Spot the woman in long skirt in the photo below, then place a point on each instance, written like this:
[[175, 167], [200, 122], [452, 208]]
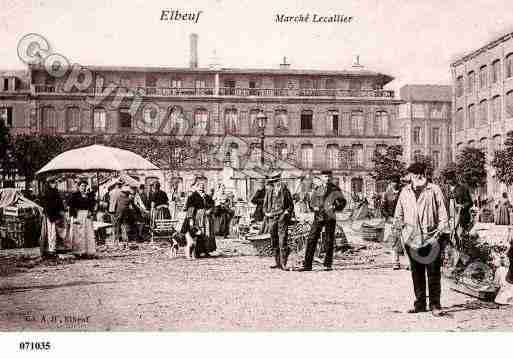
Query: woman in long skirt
[[82, 231], [199, 208], [502, 217]]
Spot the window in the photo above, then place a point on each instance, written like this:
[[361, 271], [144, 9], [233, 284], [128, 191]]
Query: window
[[483, 145], [459, 86], [381, 148], [281, 151], [307, 156], [255, 152], [416, 155], [471, 115], [496, 71], [471, 82], [459, 119], [281, 119], [233, 155], [509, 66], [358, 159], [355, 85], [508, 106], [332, 153], [357, 185], [483, 76], [201, 119], [48, 120], [73, 119], [125, 119], [177, 121], [151, 84], [357, 122], [231, 120], [435, 136], [496, 108], [200, 84], [306, 121], [150, 119], [305, 83], [483, 112], [436, 159], [332, 124], [176, 83], [5, 84], [459, 147], [253, 125], [99, 120], [497, 143], [331, 84], [417, 135], [381, 123], [6, 116], [471, 143]]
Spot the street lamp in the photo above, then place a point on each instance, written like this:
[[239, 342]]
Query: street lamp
[[261, 121]]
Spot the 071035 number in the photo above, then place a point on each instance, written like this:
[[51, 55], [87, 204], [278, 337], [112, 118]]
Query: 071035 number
[[35, 346]]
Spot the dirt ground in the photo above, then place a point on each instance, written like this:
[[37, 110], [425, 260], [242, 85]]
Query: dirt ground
[[145, 289]]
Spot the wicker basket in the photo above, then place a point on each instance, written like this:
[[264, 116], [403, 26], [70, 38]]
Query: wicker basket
[[371, 233], [298, 235]]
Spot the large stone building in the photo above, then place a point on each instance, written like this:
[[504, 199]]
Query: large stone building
[[315, 118], [425, 118], [483, 100]]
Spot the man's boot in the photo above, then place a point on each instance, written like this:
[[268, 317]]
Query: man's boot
[[284, 259], [276, 259]]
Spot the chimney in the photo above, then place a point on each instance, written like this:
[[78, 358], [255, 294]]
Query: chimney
[[284, 65], [194, 51], [356, 62]]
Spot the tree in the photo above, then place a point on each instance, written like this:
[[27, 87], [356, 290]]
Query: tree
[[5, 150], [388, 165], [470, 164], [502, 162], [448, 172]]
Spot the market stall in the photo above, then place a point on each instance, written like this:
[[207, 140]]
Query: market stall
[[20, 220]]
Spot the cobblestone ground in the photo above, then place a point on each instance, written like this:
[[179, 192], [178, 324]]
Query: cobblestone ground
[[145, 289]]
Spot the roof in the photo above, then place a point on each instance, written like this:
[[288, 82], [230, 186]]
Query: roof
[[431, 93], [488, 45], [262, 71]]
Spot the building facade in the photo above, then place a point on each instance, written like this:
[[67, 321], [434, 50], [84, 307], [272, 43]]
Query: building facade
[[483, 101], [425, 118], [315, 119]]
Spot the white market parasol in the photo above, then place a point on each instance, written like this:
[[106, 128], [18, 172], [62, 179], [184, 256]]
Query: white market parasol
[[96, 158]]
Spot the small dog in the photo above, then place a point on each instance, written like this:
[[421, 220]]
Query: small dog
[[187, 241]]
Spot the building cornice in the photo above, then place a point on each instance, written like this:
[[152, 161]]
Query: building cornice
[[482, 49]]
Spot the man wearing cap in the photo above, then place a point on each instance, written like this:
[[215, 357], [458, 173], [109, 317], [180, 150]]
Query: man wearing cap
[[326, 199], [420, 217], [278, 206], [54, 209]]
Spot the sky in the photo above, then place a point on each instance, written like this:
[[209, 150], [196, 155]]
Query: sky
[[414, 41]]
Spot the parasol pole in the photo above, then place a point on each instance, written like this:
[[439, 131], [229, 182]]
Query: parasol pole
[[98, 190]]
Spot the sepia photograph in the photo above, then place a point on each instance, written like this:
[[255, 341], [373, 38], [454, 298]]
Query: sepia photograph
[[256, 167]]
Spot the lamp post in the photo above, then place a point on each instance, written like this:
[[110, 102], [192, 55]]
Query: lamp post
[[261, 121]]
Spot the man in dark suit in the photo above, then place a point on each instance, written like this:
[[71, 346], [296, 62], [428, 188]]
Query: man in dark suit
[[326, 199], [279, 207]]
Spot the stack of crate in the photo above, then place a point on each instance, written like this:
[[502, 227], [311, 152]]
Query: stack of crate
[[22, 227]]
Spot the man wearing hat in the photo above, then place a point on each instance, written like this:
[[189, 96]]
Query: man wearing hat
[[326, 199], [279, 207], [420, 217], [124, 213], [113, 204]]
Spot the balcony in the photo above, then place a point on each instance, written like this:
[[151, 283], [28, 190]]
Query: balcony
[[227, 91], [286, 92]]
